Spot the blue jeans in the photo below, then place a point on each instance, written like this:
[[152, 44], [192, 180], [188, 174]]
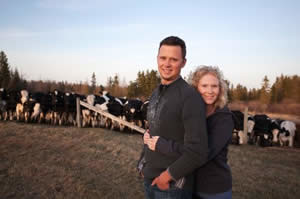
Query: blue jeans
[[153, 192], [224, 195]]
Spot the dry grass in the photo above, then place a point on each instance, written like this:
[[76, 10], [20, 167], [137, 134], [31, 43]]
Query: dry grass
[[288, 110], [265, 172], [40, 161]]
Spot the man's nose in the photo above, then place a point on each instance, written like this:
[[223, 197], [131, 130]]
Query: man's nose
[[168, 62]]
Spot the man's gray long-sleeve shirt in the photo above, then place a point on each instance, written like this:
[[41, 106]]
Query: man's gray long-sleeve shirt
[[177, 112]]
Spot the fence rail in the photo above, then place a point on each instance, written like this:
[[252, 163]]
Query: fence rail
[[108, 115]]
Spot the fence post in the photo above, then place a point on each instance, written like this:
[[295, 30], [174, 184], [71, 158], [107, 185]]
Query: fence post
[[78, 112], [245, 136]]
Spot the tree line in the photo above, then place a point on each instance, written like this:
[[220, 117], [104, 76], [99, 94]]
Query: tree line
[[284, 89]]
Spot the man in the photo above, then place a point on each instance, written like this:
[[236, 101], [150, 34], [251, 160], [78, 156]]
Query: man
[[176, 112]]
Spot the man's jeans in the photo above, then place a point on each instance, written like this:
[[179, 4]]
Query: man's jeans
[[153, 192]]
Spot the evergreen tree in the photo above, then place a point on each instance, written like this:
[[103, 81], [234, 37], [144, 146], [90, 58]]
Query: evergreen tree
[[265, 91], [132, 89], [16, 83], [154, 82], [116, 81], [4, 71], [141, 83], [240, 93], [109, 84], [93, 83], [116, 85]]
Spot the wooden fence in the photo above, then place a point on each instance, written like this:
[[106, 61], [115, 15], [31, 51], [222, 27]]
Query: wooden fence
[[106, 114]]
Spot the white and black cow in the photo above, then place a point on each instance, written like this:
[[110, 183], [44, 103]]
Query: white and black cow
[[286, 132], [116, 108], [263, 130], [91, 118], [238, 130], [132, 111], [20, 106]]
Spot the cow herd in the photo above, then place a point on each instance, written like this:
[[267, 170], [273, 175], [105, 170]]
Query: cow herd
[[58, 108], [263, 131]]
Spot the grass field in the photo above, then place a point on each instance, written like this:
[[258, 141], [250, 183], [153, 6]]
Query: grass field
[[40, 161]]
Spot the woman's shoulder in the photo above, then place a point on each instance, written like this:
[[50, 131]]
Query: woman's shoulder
[[224, 111], [221, 114], [221, 119]]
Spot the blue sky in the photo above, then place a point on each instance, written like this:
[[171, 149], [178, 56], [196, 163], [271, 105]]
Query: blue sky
[[68, 40]]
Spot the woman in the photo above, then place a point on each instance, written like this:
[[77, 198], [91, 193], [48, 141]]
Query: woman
[[213, 179]]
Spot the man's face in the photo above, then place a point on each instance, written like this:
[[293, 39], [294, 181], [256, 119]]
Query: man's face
[[170, 62]]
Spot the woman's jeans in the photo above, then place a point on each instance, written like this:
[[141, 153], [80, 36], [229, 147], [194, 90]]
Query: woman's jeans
[[224, 195]]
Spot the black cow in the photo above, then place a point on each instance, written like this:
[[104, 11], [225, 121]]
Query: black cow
[[263, 130], [57, 103], [132, 111], [13, 98], [3, 102], [144, 110], [69, 114]]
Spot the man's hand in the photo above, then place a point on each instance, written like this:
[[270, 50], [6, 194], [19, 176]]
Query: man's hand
[[150, 141], [162, 181]]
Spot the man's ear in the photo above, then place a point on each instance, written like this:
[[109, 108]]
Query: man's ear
[[183, 62]]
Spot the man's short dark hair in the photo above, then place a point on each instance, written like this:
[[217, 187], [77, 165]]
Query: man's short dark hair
[[174, 41]]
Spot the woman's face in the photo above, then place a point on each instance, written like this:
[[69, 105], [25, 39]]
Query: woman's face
[[209, 88]]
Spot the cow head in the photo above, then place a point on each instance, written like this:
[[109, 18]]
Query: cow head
[[24, 96], [90, 99]]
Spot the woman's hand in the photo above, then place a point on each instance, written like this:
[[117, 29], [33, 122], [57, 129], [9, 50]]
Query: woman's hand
[[150, 141]]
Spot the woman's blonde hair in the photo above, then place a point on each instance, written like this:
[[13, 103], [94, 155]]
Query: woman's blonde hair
[[214, 70]]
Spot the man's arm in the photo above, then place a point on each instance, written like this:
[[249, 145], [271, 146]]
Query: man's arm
[[220, 133], [195, 138]]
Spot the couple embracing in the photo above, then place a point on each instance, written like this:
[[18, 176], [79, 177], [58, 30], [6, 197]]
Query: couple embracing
[[190, 128]]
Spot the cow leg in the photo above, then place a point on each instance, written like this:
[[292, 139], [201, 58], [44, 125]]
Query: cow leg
[[71, 119], [139, 123], [112, 126], [5, 116], [55, 118], [281, 141], [240, 137], [108, 123], [122, 126], [93, 121], [102, 121], [41, 118], [63, 119], [291, 141], [83, 122]]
